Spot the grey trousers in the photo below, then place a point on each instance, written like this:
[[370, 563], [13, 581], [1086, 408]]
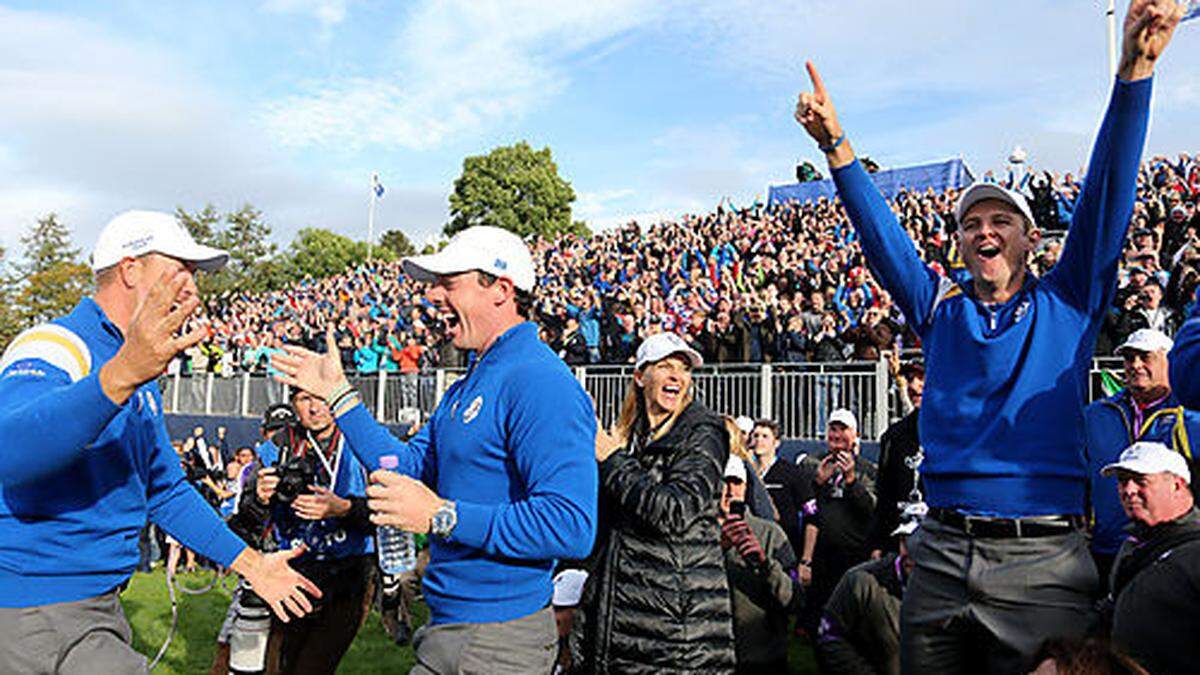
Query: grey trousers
[[85, 636], [517, 647], [975, 605]]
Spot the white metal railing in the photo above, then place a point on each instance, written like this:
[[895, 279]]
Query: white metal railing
[[799, 396]]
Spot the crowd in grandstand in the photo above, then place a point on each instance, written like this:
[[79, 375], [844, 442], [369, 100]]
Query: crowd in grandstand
[[779, 283]]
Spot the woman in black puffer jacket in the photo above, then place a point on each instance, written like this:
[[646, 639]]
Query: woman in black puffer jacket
[[657, 600]]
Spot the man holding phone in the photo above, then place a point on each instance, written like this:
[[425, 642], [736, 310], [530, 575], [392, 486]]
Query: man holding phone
[[757, 559], [838, 518]]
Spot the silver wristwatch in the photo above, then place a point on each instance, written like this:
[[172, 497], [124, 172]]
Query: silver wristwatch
[[444, 519]]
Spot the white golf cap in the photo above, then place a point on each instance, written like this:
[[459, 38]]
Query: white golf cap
[[1147, 340], [981, 191], [735, 468], [844, 417], [136, 233], [661, 345], [568, 587], [744, 424], [487, 249], [1147, 458]]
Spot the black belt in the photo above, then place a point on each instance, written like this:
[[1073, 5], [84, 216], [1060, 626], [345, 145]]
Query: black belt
[[1007, 528]]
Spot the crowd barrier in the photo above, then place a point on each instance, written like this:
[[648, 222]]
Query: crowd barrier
[[799, 396]]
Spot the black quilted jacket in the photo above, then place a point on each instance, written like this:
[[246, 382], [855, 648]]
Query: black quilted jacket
[[657, 600]]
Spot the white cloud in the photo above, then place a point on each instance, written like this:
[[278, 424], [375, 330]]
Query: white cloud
[[328, 12], [455, 68], [96, 124]]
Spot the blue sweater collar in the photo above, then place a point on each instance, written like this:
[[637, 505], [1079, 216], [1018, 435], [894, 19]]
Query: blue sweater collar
[[96, 322]]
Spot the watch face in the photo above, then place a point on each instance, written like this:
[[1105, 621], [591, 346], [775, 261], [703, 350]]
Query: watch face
[[443, 521]]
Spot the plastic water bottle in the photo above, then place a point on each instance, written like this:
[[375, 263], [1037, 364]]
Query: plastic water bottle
[[397, 548]]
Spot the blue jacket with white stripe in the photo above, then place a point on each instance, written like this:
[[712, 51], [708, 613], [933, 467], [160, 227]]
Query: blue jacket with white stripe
[[80, 475]]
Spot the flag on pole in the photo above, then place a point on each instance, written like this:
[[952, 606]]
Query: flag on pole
[[376, 186], [1191, 9]]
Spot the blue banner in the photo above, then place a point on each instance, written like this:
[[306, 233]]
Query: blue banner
[[939, 175], [1191, 9]]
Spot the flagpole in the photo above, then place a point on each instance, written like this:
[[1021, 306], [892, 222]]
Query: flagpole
[[371, 217], [1112, 39]]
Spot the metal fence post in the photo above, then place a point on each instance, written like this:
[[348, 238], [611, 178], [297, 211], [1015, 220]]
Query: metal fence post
[[245, 394], [175, 393], [883, 416], [766, 388], [380, 393], [208, 393], [439, 386], [581, 375]]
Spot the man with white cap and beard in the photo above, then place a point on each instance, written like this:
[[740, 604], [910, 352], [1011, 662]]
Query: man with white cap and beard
[[1154, 604], [503, 475], [85, 459]]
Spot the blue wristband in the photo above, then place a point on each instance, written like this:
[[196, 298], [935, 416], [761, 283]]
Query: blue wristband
[[836, 142]]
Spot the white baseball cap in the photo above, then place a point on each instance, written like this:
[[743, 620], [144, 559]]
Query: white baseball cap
[[136, 233], [744, 424], [981, 191], [661, 345], [844, 417], [488, 249], [1147, 340], [568, 587], [1147, 458], [735, 468]]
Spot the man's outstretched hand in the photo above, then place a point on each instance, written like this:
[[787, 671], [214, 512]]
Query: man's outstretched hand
[[151, 338], [1149, 26], [273, 580], [815, 112]]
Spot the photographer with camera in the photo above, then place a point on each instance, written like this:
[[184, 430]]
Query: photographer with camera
[[314, 495]]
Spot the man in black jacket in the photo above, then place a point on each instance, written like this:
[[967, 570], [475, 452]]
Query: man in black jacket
[[898, 483], [1155, 599], [835, 537], [788, 489]]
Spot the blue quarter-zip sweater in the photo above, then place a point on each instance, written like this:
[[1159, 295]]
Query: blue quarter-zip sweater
[[79, 475], [1005, 388], [512, 443], [1185, 360]]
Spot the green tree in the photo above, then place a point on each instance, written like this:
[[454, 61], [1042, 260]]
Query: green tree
[[202, 225], [398, 243], [10, 323], [53, 278], [514, 187], [247, 237], [321, 253]]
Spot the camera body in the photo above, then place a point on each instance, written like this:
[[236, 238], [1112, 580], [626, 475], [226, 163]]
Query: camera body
[[296, 473]]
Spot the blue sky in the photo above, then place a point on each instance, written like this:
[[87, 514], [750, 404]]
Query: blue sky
[[652, 107]]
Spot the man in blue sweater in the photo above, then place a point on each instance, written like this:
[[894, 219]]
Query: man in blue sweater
[[502, 475], [1185, 360], [1002, 562], [85, 459]]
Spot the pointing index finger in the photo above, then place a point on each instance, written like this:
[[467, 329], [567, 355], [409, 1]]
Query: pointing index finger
[[817, 82]]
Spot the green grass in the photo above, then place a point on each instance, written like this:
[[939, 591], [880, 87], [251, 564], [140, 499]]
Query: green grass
[[191, 651]]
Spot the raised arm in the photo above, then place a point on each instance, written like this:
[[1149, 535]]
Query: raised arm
[[321, 375], [47, 377], [1087, 269], [890, 253]]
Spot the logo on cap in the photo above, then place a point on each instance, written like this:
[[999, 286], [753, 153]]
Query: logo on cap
[[500, 264]]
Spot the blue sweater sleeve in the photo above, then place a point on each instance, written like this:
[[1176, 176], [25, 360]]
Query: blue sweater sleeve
[[1185, 362], [35, 400], [552, 433], [890, 253], [176, 506], [1087, 270], [369, 441]]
